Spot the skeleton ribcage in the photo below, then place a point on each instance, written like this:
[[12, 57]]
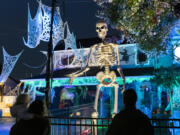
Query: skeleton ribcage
[[105, 55]]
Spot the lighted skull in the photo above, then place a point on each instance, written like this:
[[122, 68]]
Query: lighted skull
[[101, 29]]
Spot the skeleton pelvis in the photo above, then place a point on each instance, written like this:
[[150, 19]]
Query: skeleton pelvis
[[106, 79]]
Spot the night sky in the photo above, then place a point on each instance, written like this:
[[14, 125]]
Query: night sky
[[80, 15]]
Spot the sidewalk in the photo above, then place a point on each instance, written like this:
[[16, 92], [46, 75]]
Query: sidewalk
[[5, 125]]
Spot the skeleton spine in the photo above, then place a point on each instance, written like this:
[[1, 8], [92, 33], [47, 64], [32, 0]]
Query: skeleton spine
[[106, 69]]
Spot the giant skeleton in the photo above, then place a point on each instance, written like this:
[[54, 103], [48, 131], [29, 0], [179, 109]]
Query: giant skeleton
[[106, 55]]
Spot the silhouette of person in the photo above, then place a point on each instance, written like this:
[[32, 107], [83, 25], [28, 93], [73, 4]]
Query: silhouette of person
[[38, 125], [130, 121], [20, 108]]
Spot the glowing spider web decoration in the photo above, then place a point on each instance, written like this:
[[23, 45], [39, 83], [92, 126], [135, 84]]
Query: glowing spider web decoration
[[33, 92], [46, 20], [58, 28], [70, 40], [58, 25], [8, 65], [39, 27], [100, 2], [34, 28]]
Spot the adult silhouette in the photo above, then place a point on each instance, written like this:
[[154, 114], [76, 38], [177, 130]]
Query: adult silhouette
[[20, 107], [38, 125], [130, 121]]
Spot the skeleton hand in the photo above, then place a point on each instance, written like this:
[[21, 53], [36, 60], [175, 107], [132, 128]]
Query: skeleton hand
[[119, 71], [75, 74], [71, 76], [71, 80], [123, 89]]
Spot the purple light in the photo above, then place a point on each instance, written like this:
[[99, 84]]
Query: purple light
[[68, 86]]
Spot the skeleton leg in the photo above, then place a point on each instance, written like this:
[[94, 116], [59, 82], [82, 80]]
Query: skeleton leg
[[97, 96], [95, 114], [115, 85]]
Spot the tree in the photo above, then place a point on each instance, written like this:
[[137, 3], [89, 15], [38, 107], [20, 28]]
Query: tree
[[148, 22]]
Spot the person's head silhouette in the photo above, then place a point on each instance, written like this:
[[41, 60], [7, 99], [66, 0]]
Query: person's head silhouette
[[37, 107], [129, 98]]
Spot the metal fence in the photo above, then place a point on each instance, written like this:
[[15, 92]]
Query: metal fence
[[99, 126]]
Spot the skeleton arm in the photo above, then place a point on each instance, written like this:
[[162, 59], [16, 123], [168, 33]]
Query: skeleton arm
[[85, 69], [119, 68]]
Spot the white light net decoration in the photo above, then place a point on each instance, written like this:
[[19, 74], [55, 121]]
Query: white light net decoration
[[46, 20], [33, 92], [70, 40], [8, 65], [58, 28], [127, 55], [34, 28], [100, 2], [58, 25], [39, 27]]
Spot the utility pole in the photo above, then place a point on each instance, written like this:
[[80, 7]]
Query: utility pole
[[49, 66], [64, 9]]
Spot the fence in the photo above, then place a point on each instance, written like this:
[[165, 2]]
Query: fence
[[99, 126]]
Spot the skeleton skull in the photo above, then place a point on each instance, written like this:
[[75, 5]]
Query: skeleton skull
[[101, 29]]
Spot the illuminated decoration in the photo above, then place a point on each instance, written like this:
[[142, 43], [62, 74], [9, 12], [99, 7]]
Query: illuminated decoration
[[33, 92], [176, 99], [175, 34], [34, 28], [128, 55], [105, 54], [69, 59], [66, 95], [58, 25], [70, 40], [46, 18], [58, 28], [52, 94], [39, 27], [175, 41], [175, 102], [177, 53], [8, 65], [81, 81], [5, 105], [100, 2]]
